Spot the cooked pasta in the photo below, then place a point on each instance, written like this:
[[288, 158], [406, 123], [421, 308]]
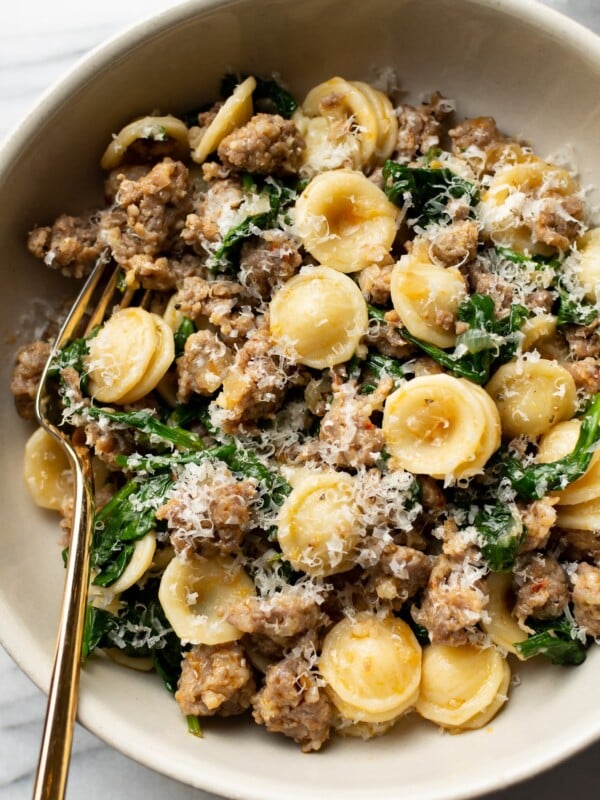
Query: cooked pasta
[[344, 419]]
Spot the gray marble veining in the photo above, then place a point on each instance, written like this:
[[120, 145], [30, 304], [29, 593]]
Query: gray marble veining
[[39, 41]]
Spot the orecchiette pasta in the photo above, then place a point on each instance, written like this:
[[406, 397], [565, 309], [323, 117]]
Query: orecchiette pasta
[[459, 683], [559, 442], [196, 595], [427, 296], [531, 396], [536, 331], [141, 562], [588, 263], [580, 516], [439, 425], [348, 110], [317, 527], [234, 112], [387, 121], [352, 648], [510, 205], [500, 624], [153, 128], [319, 317], [46, 470], [345, 221], [129, 356]]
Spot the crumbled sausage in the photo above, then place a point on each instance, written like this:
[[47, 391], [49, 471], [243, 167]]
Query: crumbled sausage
[[221, 303], [578, 545], [455, 244], [558, 220], [132, 172], [432, 495], [215, 679], [292, 702], [538, 518], [456, 542], [282, 615], [583, 340], [586, 598], [419, 127], [211, 217], [266, 145], [453, 602], [348, 436], [267, 262], [164, 274], [202, 366], [148, 214], [488, 283], [211, 511], [70, 245], [107, 443], [256, 384], [585, 373], [30, 361], [479, 132], [385, 337], [375, 283], [399, 574], [541, 587]]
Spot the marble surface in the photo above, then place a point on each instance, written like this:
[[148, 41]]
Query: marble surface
[[39, 41]]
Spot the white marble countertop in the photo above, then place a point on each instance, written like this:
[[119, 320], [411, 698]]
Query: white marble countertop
[[39, 41]]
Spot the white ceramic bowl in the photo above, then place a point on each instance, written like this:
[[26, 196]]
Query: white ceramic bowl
[[538, 74]]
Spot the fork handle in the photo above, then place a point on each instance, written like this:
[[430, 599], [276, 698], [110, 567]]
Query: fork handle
[[55, 750]]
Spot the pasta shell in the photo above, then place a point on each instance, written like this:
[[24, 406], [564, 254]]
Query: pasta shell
[[459, 683], [318, 317], [234, 113], [359, 692], [46, 470], [500, 624], [145, 128], [164, 354], [531, 396], [434, 425], [559, 442], [140, 563], [317, 527], [587, 264], [347, 110], [345, 221], [426, 297], [120, 354], [196, 594]]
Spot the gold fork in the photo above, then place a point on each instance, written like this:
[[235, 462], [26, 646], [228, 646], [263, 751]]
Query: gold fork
[[57, 737]]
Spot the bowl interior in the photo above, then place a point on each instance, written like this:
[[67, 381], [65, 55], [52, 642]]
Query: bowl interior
[[538, 75]]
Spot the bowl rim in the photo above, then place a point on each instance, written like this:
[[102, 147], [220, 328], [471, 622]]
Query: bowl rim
[[93, 716]]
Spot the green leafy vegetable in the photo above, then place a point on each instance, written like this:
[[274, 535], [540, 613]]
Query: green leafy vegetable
[[128, 516], [73, 355], [385, 365], [147, 423], [555, 640], [268, 93], [194, 727], [502, 534], [280, 197], [426, 191], [572, 311], [536, 480], [182, 334], [486, 344], [139, 630]]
